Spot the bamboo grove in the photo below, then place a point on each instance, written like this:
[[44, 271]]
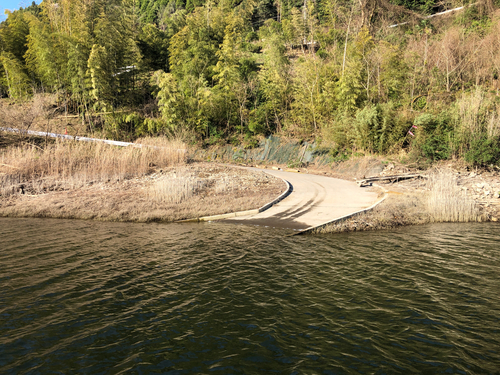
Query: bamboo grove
[[356, 74]]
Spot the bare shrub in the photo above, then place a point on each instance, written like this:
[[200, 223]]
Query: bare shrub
[[451, 56], [492, 45], [23, 116], [446, 202], [480, 63]]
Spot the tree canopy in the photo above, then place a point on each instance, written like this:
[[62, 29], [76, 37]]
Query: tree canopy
[[358, 73]]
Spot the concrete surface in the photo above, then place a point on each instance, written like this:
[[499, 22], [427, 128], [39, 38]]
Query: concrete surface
[[314, 200]]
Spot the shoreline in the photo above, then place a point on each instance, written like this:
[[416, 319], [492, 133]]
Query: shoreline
[[475, 192], [413, 202], [207, 190], [216, 188]]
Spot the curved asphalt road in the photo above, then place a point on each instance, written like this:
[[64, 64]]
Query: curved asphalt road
[[314, 200]]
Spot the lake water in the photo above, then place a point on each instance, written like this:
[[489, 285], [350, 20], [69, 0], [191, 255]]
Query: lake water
[[107, 298]]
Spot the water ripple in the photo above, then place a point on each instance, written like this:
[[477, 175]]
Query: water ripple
[[89, 297]]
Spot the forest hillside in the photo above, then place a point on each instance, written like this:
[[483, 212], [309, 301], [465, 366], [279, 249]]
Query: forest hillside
[[365, 76]]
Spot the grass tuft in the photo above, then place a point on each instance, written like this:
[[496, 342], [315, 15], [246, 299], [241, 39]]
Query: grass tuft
[[64, 165], [174, 190], [446, 202]]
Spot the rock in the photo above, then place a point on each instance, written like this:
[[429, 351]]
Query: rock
[[376, 169]]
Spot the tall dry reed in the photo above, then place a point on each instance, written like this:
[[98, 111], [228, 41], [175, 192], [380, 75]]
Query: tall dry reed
[[446, 202], [174, 189], [477, 116], [66, 165], [493, 125], [181, 185], [469, 111]]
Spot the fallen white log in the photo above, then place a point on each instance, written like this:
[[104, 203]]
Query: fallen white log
[[77, 138], [393, 178], [431, 16], [70, 137]]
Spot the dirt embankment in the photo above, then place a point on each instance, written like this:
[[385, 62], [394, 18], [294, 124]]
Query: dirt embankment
[[447, 192], [172, 194], [81, 180]]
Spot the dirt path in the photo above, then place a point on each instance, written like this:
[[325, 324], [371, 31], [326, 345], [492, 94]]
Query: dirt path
[[314, 200]]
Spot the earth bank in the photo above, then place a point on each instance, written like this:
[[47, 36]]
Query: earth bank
[[202, 188]]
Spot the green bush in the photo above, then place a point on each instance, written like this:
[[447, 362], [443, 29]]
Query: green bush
[[122, 126], [339, 130], [258, 118], [431, 123], [250, 141], [152, 126], [436, 147], [378, 128], [338, 155], [483, 152], [432, 141]]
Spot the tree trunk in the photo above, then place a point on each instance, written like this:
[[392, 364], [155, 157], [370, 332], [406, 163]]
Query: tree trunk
[[368, 8]]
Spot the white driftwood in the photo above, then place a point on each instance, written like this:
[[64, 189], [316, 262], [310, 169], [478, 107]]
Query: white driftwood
[[393, 178]]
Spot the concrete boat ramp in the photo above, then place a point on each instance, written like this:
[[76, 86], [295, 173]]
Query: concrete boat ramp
[[314, 200]]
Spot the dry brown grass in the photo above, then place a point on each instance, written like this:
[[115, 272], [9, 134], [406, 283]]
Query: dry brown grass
[[446, 202], [64, 165], [442, 201], [184, 183], [174, 189], [67, 179], [138, 199], [24, 115]]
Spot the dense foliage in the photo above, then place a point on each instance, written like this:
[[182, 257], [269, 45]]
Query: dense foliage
[[336, 70]]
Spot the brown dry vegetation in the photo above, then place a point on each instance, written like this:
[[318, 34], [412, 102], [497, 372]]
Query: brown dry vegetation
[[137, 200], [98, 181], [26, 114], [447, 202], [63, 165], [440, 199]]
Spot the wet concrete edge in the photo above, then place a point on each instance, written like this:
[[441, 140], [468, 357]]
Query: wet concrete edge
[[345, 217], [286, 193]]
